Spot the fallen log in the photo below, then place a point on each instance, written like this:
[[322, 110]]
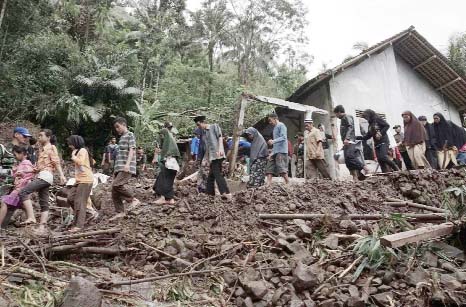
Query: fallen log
[[416, 235], [86, 234], [397, 202], [362, 217]]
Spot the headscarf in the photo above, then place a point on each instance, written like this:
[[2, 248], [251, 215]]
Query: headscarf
[[258, 145], [168, 144], [447, 133], [414, 130]]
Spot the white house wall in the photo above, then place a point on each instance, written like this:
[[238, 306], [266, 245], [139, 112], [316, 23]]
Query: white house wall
[[420, 97]]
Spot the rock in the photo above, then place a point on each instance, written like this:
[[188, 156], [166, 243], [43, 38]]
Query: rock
[[277, 295], [309, 303], [304, 277], [283, 267], [388, 277], [349, 226], [249, 275], [230, 277], [384, 288], [430, 259], [460, 276], [449, 251], [415, 193], [416, 276], [248, 302], [377, 281], [304, 231], [171, 250], [447, 266], [327, 303], [275, 280], [292, 207], [353, 291], [450, 282], [240, 292], [177, 243], [331, 241], [355, 302], [258, 289], [296, 303], [300, 252], [82, 292], [180, 264], [383, 299]]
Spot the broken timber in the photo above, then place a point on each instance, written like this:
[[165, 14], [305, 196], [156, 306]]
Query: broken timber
[[416, 235], [365, 217], [397, 202]]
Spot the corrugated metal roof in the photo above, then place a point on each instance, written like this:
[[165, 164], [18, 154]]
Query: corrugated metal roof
[[419, 54]]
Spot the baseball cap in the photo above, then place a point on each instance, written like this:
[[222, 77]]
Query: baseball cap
[[23, 131]]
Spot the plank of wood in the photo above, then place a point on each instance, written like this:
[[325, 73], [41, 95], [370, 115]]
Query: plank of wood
[[366, 217], [398, 202], [416, 235]]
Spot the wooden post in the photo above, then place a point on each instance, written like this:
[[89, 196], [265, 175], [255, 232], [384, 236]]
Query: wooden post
[[416, 235], [243, 102]]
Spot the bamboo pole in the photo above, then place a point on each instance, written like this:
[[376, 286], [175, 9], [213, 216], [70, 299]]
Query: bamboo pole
[[365, 217], [242, 104]]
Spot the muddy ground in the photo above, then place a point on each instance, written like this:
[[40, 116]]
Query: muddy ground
[[207, 251]]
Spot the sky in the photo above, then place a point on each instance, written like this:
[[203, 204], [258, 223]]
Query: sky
[[335, 25]]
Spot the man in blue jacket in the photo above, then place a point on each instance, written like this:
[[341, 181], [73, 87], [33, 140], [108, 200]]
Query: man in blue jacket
[[278, 160]]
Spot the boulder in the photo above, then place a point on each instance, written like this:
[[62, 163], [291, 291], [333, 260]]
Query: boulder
[[81, 292], [304, 277]]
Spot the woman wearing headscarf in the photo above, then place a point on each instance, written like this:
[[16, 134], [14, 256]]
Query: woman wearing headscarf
[[448, 138], [377, 130], [164, 184], [257, 157], [414, 140]]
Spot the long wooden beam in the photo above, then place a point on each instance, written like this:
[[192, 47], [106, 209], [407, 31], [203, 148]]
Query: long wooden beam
[[448, 84], [362, 217], [425, 62], [238, 128], [417, 235], [398, 202]]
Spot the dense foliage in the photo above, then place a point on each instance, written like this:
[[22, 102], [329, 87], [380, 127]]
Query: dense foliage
[[72, 65]]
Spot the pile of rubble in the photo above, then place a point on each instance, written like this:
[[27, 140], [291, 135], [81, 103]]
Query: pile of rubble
[[209, 252]]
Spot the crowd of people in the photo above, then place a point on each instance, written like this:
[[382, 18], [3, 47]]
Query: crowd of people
[[26, 169]]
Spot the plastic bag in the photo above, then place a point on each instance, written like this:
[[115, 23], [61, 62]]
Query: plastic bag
[[172, 164]]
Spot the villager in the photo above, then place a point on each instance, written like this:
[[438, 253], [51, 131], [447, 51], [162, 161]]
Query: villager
[[169, 167], [399, 136], [314, 152], [431, 142], [141, 161], [195, 146], [298, 152], [278, 161], [125, 168], [109, 156], [414, 140], [353, 156], [449, 138], [22, 173], [377, 130], [257, 157], [48, 162], [215, 154], [79, 193]]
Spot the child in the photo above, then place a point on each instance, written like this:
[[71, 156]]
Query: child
[[23, 173], [79, 193]]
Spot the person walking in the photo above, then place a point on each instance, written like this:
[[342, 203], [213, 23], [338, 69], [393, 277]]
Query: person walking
[[124, 169], [448, 139], [257, 157], [195, 143], [399, 137], [351, 151], [79, 193], [141, 162], [48, 162], [278, 160], [109, 156], [431, 142], [298, 152], [169, 154], [414, 140], [215, 154], [23, 173], [314, 152], [377, 130]]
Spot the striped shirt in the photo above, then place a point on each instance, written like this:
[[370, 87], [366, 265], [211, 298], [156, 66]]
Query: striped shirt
[[127, 141]]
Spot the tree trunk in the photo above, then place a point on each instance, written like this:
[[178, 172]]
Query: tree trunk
[[211, 70], [2, 13]]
